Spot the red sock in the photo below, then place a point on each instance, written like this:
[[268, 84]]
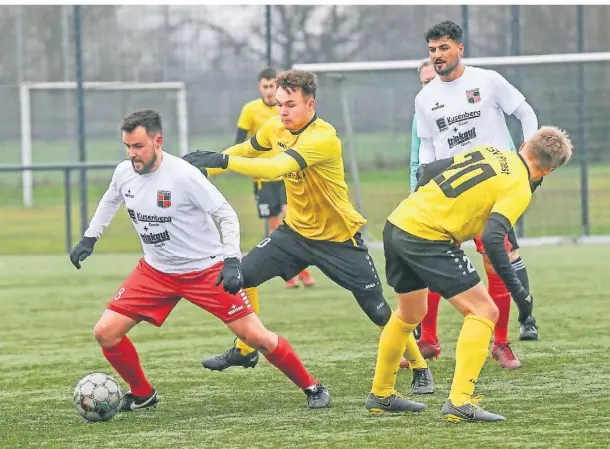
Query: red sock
[[124, 359], [287, 361], [501, 296], [428, 324]]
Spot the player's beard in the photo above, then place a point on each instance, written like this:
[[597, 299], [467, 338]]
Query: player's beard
[[447, 70], [147, 167]]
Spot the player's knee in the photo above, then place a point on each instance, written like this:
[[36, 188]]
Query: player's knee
[[259, 338], [106, 336], [490, 311]]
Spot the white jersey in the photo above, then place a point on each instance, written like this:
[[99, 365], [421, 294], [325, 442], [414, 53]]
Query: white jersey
[[173, 210], [466, 112]]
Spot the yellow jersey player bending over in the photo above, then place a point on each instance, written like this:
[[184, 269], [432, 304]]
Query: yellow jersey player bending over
[[482, 191]]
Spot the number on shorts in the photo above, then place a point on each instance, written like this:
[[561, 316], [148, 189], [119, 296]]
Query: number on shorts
[[469, 265], [264, 210], [119, 294], [472, 163]]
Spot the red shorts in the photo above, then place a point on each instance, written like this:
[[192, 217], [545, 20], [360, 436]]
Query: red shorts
[[150, 295], [481, 249]]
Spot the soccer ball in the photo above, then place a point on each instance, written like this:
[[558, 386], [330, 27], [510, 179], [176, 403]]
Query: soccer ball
[[97, 397]]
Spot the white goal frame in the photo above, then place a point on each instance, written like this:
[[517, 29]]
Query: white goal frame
[[26, 116]]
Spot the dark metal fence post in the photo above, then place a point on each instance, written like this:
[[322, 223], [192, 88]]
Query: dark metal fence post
[[466, 30], [582, 132], [68, 207], [268, 34], [80, 116]]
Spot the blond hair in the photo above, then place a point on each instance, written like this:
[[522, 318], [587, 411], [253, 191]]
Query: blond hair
[[550, 147]]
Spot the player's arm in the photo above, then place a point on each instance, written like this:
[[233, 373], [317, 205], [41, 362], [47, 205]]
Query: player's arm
[[512, 102], [426, 153], [414, 164], [258, 144], [502, 218], [103, 215], [244, 124], [306, 153], [207, 197]]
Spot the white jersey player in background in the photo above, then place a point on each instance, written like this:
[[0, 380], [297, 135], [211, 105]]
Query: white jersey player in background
[[175, 210], [462, 108]]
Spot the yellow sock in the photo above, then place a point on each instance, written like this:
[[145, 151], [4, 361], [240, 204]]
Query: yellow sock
[[470, 354], [392, 345], [252, 294], [413, 354]]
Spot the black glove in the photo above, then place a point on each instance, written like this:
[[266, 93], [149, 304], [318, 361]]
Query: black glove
[[82, 251], [207, 159], [231, 275], [535, 184], [525, 304]]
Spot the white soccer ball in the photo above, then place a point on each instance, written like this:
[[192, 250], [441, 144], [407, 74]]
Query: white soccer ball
[[97, 397]]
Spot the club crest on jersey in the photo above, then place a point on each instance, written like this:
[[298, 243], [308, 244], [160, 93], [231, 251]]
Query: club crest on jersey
[[473, 95], [164, 198]]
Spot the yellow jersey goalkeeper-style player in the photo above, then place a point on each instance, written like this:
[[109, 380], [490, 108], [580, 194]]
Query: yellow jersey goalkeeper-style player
[[321, 227], [482, 191]]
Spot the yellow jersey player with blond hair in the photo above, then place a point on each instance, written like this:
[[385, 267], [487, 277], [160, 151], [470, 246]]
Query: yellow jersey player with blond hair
[[321, 226], [482, 191]]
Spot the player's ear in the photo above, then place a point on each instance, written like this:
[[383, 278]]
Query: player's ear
[[312, 104], [159, 140], [461, 49]]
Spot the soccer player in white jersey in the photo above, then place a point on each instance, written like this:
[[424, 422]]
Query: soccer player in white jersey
[[175, 210], [462, 108]]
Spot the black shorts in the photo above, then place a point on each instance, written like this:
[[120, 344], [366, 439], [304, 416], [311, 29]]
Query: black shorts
[[270, 198], [285, 253], [413, 263]]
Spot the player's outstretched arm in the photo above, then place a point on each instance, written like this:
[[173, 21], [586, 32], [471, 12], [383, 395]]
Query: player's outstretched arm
[[104, 213], [493, 241], [414, 164]]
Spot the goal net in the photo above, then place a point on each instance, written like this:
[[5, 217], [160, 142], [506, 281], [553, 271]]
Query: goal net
[[371, 104], [49, 125]]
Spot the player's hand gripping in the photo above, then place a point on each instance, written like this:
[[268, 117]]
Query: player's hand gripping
[[82, 251], [525, 302], [231, 275], [207, 159]]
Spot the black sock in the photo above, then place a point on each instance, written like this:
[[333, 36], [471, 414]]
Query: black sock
[[525, 309]]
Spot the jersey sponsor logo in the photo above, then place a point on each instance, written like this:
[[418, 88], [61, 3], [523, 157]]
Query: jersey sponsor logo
[[283, 145], [128, 194], [463, 117], [295, 176], [132, 215], [164, 198], [442, 124], [234, 309], [462, 138], [137, 217], [152, 239], [473, 95], [437, 106]]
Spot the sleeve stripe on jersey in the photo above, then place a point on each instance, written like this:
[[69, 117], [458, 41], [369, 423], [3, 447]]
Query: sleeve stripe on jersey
[[257, 146], [297, 157]]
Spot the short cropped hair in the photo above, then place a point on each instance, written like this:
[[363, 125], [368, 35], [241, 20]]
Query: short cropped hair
[[448, 29], [298, 79], [149, 119], [423, 63], [268, 74], [550, 147]]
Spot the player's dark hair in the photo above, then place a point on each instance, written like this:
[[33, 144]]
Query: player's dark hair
[[298, 79], [448, 29], [149, 119], [268, 74]]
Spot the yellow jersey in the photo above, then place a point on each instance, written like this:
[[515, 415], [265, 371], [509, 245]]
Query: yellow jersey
[[318, 204], [455, 205]]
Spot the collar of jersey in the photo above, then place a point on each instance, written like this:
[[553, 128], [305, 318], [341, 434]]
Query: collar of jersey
[[313, 119], [526, 167], [268, 105]]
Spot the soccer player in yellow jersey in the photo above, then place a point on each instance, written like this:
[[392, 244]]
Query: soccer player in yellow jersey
[[270, 195], [321, 227], [482, 191]]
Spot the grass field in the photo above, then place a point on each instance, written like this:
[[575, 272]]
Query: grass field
[[558, 399]]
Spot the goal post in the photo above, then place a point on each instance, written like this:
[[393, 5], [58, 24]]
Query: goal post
[[26, 88], [568, 90]]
